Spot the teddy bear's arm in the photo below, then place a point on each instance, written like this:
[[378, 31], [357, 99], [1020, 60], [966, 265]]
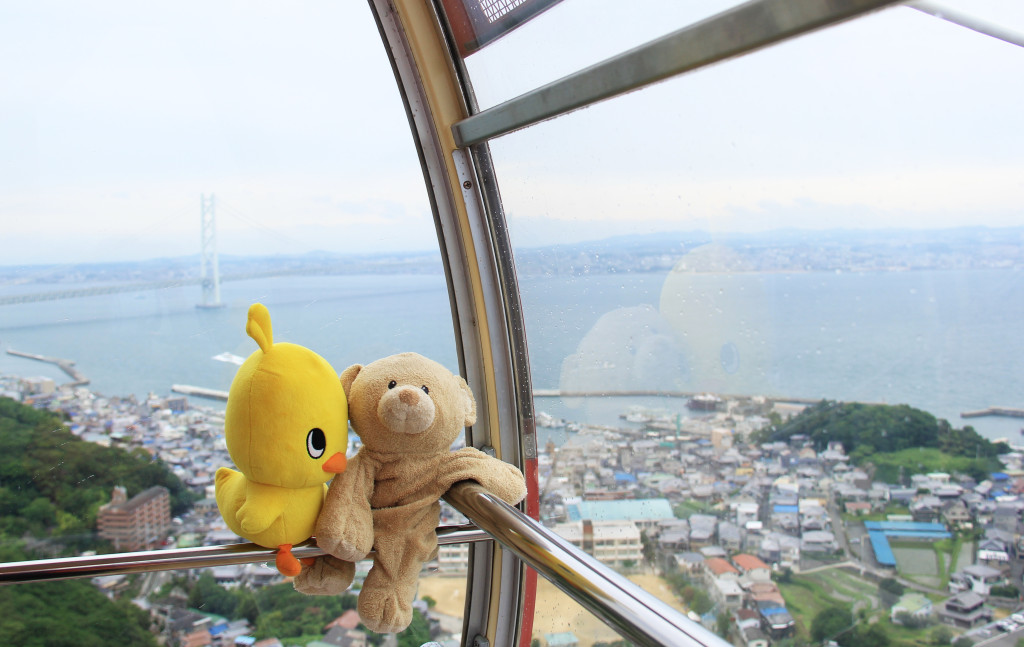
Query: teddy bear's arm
[[344, 528], [498, 477]]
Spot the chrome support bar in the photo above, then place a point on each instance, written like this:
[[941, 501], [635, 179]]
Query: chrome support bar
[[731, 33], [621, 604], [165, 560], [970, 22]]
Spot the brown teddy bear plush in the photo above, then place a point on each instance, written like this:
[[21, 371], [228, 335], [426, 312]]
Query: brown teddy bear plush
[[407, 410]]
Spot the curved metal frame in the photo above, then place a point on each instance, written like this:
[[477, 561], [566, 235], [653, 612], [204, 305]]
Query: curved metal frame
[[478, 276]]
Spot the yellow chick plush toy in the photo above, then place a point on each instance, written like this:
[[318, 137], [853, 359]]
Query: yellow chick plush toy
[[286, 428]]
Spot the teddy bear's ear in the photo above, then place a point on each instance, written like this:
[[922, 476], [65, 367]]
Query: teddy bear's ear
[[348, 376], [470, 402]]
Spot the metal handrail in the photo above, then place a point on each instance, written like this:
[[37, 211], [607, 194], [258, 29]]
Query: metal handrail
[[621, 604], [64, 568]]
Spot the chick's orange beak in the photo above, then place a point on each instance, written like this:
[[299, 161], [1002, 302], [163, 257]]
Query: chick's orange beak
[[335, 464]]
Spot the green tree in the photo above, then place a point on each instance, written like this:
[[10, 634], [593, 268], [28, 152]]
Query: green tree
[[417, 633], [69, 613], [722, 623], [650, 552], [892, 585], [701, 603], [829, 622], [941, 635], [41, 513], [874, 635]]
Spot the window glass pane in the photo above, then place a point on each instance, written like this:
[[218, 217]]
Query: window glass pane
[[137, 143], [833, 219]]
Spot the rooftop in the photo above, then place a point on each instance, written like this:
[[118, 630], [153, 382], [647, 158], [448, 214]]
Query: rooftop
[[624, 510]]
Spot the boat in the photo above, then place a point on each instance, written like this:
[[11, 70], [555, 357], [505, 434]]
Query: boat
[[704, 402]]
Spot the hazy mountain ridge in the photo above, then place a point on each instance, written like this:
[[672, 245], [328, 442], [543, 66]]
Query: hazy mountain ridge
[[783, 250]]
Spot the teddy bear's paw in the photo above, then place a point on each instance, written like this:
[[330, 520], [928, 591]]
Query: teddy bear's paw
[[384, 612], [327, 576], [342, 548]]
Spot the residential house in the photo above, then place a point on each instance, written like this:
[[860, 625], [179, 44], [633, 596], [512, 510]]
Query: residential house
[[993, 550], [727, 593], [348, 620], [776, 620], [702, 531], [818, 542], [752, 569], [717, 568], [730, 536], [977, 578], [745, 511], [955, 513], [689, 563], [763, 592], [965, 610], [926, 509], [344, 637], [915, 604], [748, 625]]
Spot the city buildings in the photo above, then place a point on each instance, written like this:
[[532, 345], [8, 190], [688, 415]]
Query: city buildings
[[139, 523]]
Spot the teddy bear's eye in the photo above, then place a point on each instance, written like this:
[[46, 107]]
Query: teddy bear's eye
[[392, 384], [316, 442], [425, 389]]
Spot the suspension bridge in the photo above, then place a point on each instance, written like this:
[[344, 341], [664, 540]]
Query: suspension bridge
[[209, 273]]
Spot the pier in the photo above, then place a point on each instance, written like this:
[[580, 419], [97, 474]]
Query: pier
[[65, 365], [557, 393], [200, 391], [1006, 412]]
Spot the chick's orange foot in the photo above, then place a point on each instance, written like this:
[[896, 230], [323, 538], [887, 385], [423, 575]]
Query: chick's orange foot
[[286, 562]]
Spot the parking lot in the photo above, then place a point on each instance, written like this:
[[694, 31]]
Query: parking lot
[[1002, 633]]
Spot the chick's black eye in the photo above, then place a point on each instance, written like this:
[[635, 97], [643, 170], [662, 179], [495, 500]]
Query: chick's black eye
[[316, 442], [392, 384], [425, 389]]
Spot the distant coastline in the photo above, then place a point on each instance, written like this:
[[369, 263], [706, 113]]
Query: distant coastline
[[782, 251]]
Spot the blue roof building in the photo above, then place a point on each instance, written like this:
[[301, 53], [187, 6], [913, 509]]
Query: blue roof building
[[879, 533], [639, 511], [564, 639]]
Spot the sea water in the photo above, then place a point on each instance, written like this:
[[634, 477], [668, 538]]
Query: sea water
[[943, 341]]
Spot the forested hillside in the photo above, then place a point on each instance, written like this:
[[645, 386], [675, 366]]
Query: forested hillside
[[69, 613], [885, 434], [52, 483]]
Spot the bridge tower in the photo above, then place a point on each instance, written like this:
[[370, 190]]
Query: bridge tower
[[209, 270]]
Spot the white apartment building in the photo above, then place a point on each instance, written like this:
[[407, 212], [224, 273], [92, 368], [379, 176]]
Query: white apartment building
[[616, 543]]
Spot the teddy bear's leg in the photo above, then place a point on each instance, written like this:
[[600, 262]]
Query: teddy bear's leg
[[327, 576], [404, 540]]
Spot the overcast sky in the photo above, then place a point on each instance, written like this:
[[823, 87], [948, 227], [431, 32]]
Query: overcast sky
[[116, 116]]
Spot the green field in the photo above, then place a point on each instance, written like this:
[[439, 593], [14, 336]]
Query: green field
[[808, 594]]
